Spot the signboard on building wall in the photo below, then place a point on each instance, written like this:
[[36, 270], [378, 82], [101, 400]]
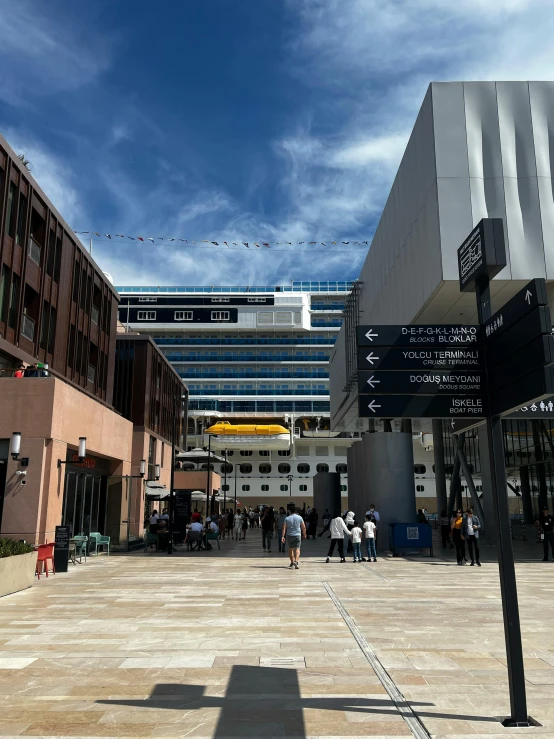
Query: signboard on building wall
[[483, 253]]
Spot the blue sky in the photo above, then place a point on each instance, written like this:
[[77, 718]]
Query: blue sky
[[239, 120]]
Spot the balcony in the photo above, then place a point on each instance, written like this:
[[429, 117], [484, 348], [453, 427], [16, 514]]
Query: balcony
[[35, 251], [28, 328]]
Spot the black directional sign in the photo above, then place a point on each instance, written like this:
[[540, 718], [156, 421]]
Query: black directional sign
[[538, 353], [421, 383], [482, 254], [535, 323], [420, 358], [434, 335], [526, 300], [421, 406], [534, 386]]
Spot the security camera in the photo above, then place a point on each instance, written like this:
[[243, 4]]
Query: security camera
[[21, 472]]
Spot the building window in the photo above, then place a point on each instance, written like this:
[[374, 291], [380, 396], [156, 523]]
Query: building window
[[265, 469], [420, 469], [220, 315], [146, 315], [246, 488], [10, 218], [283, 468], [303, 468], [182, 315], [322, 468], [284, 452], [265, 488], [246, 453], [341, 469], [245, 469], [302, 488], [420, 488], [283, 488]]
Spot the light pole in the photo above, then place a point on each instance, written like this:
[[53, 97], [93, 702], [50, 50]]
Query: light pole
[[225, 481], [209, 475], [290, 478], [176, 400]]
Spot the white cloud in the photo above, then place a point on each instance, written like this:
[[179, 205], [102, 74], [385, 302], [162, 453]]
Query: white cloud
[[41, 56], [52, 173]]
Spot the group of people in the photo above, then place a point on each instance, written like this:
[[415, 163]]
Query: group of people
[[345, 530], [30, 370], [463, 528]]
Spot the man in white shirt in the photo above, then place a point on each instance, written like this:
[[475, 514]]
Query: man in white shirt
[[154, 522], [338, 530]]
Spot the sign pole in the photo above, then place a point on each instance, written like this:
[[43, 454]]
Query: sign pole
[[506, 566]]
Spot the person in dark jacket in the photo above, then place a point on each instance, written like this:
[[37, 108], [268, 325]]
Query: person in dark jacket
[[312, 523], [546, 521], [470, 533]]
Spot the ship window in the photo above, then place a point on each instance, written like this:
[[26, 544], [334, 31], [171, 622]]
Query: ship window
[[420, 469], [265, 469], [420, 488], [246, 488], [245, 469], [284, 452], [343, 488], [246, 453], [265, 488], [303, 469], [264, 453], [220, 315], [283, 468], [225, 488], [322, 468], [302, 488], [284, 488], [226, 468], [341, 469], [146, 315]]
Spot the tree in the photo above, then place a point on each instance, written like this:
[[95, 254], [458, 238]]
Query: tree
[[24, 161]]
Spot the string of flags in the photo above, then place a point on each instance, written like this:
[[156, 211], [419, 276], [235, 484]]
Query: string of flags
[[247, 244]]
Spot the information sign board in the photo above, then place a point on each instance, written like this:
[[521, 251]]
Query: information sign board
[[420, 358], [421, 406], [62, 535], [483, 253], [415, 335], [421, 383]]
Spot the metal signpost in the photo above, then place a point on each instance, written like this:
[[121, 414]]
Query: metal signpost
[[471, 375]]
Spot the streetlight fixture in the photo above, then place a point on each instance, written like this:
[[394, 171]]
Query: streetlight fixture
[[81, 454], [15, 445], [142, 468], [156, 472]]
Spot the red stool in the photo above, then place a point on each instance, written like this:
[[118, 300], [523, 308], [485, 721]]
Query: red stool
[[45, 553]]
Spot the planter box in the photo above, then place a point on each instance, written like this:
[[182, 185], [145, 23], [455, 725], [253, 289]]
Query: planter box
[[17, 572]]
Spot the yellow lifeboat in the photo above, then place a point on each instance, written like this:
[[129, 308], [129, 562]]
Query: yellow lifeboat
[[227, 435]]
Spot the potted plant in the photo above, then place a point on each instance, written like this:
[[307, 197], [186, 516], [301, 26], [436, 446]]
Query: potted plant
[[18, 562]]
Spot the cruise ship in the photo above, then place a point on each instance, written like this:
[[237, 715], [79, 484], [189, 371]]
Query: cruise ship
[[254, 355]]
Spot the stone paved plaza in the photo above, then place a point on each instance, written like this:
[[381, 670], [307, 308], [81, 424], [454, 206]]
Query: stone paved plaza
[[233, 643]]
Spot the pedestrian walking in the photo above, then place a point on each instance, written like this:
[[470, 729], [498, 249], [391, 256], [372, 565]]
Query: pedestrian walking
[[268, 524], [338, 529], [444, 523], [457, 521], [370, 533], [470, 533], [349, 521], [237, 525], [230, 521], [546, 521], [222, 524], [279, 523], [356, 534], [245, 519], [294, 530], [312, 523]]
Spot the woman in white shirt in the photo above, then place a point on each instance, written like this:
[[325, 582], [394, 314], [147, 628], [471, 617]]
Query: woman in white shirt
[[370, 530], [238, 524]]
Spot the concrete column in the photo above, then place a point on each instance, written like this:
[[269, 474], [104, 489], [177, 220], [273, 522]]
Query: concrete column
[[440, 475], [387, 463]]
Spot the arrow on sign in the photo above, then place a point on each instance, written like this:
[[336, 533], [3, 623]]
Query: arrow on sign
[[528, 296], [370, 357], [372, 406], [372, 381], [370, 334]]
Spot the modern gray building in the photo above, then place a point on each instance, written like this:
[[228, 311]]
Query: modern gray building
[[477, 150]]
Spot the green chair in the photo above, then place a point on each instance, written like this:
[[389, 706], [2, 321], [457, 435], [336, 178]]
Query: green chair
[[100, 541], [213, 536], [81, 544]]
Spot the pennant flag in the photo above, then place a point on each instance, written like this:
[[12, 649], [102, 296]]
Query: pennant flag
[[108, 235], [266, 244], [246, 244], [150, 239], [140, 238], [215, 243]]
